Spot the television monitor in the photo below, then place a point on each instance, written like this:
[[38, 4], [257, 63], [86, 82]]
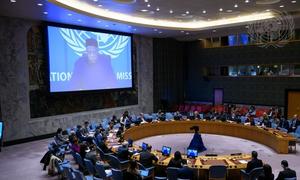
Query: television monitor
[[144, 146], [192, 153], [166, 151], [244, 39], [232, 40], [82, 59]]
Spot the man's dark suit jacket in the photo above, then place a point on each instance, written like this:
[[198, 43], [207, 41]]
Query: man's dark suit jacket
[[287, 173], [185, 173], [123, 153], [146, 159], [254, 163]]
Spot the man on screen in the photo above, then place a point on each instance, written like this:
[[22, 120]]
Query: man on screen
[[93, 70]]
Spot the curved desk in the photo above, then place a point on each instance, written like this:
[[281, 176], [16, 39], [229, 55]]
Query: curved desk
[[279, 141]]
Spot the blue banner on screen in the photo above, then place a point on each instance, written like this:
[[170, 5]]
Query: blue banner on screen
[[1, 128], [82, 60]]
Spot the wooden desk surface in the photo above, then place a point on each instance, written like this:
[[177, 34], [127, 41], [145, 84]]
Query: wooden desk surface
[[279, 141]]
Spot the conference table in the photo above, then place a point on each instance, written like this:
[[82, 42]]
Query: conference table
[[275, 139]]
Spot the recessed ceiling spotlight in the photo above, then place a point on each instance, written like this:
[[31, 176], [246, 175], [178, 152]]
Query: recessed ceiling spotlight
[[98, 21], [187, 12], [187, 33], [99, 5], [69, 14], [148, 5], [182, 31], [247, 1], [129, 26], [40, 4], [146, 1], [214, 31], [106, 25], [247, 27], [95, 0], [203, 11], [13, 1], [45, 12], [208, 19], [281, 6], [106, 9], [160, 32], [171, 11], [134, 29], [229, 10], [236, 5], [144, 10], [79, 20], [267, 10], [293, 2], [154, 29], [221, 9], [157, 9]]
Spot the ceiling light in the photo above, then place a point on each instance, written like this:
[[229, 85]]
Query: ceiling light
[[214, 31], [91, 10], [154, 29], [293, 2], [95, 0], [182, 31], [268, 10], [203, 11], [144, 10], [281, 6], [187, 33], [159, 32], [221, 9], [247, 27], [40, 4], [148, 5], [99, 5], [187, 12], [229, 10], [236, 5], [146, 1], [69, 14], [157, 9], [134, 29], [129, 26], [45, 12], [13, 1], [247, 1], [79, 20], [171, 11], [98, 21], [106, 25]]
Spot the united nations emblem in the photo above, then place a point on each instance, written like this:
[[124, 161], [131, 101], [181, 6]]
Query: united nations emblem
[[109, 44], [274, 32]]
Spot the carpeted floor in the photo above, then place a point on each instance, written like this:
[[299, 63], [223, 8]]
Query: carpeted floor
[[22, 161]]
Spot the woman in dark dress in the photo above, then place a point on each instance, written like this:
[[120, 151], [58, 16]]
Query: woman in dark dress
[[197, 143], [177, 161]]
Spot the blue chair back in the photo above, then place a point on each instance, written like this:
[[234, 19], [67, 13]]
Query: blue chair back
[[172, 173], [217, 172], [78, 175], [298, 130], [293, 178], [117, 174], [79, 160], [169, 116], [114, 162], [100, 170], [89, 166], [254, 173]]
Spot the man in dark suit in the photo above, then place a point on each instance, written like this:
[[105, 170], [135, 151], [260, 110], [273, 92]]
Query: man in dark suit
[[254, 163], [283, 123], [287, 172], [185, 172], [295, 123], [147, 158], [123, 153]]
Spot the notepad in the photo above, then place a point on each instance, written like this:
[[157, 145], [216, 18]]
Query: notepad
[[243, 161]]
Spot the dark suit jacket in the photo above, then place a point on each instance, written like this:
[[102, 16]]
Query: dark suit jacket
[[146, 159], [263, 177], [284, 124], [185, 173], [123, 153], [175, 163], [254, 163], [287, 173]]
